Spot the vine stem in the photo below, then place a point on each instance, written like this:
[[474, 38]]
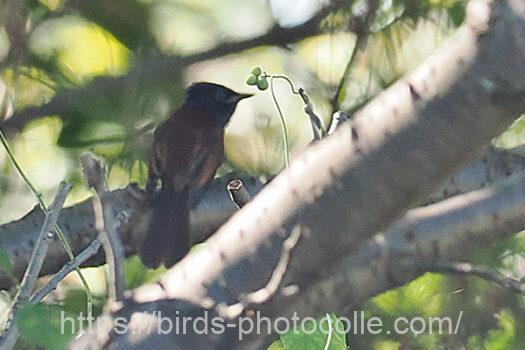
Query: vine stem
[[283, 121], [288, 80], [57, 229]]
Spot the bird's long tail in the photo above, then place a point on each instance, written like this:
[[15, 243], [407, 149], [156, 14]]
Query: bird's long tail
[[168, 238]]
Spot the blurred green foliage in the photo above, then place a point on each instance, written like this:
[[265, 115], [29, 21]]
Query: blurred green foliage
[[41, 325], [93, 62], [325, 333]]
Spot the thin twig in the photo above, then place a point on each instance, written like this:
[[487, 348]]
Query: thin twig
[[46, 234], [486, 273], [106, 226], [264, 294], [10, 335], [238, 193], [81, 258]]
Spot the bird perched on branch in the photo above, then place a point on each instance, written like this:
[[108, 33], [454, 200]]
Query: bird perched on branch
[[187, 150]]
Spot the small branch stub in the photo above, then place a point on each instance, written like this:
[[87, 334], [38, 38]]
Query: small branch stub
[[238, 193]]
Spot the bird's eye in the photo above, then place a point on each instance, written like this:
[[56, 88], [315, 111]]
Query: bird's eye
[[220, 96]]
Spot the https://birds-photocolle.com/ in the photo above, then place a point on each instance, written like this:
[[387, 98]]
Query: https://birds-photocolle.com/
[[188, 149]]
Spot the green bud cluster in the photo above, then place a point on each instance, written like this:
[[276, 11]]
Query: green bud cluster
[[257, 78]]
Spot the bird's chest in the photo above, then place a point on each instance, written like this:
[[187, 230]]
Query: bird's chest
[[189, 150]]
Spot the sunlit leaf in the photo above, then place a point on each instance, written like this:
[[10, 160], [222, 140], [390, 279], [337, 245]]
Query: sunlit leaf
[[321, 332]]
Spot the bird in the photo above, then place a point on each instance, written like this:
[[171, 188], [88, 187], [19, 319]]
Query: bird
[[188, 148]]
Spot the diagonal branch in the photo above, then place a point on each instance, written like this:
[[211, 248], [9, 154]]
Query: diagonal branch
[[10, 333], [70, 266], [466, 269]]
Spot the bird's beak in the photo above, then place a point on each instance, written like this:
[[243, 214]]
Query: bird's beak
[[239, 97]]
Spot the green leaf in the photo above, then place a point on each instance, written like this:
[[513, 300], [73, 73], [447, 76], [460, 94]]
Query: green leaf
[[262, 83], [514, 136], [256, 71], [315, 335], [47, 326], [251, 80], [276, 345], [5, 263]]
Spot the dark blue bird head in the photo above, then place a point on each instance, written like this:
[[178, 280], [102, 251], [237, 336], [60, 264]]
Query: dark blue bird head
[[214, 99]]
